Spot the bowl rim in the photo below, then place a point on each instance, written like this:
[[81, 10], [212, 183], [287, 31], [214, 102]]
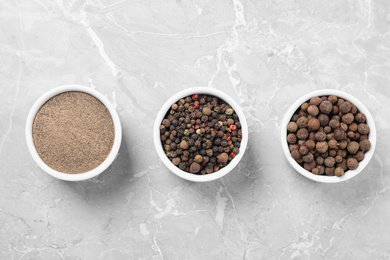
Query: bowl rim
[[348, 97], [80, 176], [159, 148]]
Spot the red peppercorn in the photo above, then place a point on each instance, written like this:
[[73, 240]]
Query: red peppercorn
[[229, 136], [196, 106], [233, 127], [196, 126], [232, 154], [195, 97], [206, 124]]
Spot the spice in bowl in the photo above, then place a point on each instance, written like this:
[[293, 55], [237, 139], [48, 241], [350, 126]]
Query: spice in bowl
[[200, 134], [328, 136], [73, 132]]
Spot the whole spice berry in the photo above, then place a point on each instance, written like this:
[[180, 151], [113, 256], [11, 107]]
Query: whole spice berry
[[332, 144], [303, 150], [291, 138], [292, 127], [310, 144], [206, 111], [315, 101], [332, 99], [324, 120], [302, 133], [313, 110], [223, 158], [329, 171], [196, 106], [195, 97], [176, 161], [198, 158], [359, 156], [339, 172], [315, 171], [353, 147], [232, 154], [365, 145], [295, 154], [326, 107], [313, 124], [320, 136], [233, 127], [329, 161], [360, 118], [229, 111], [309, 166], [345, 107], [339, 134], [348, 118], [184, 145], [352, 163], [322, 147], [195, 167], [363, 129], [302, 122], [334, 123]]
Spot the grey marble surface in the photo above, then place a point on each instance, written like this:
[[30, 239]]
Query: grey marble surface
[[265, 54]]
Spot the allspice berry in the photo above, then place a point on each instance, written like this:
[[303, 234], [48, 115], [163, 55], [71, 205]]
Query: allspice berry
[[339, 171], [315, 101], [359, 156], [347, 118], [345, 107], [324, 120], [184, 145], [223, 157], [198, 158], [315, 171], [320, 136], [322, 147], [308, 158], [332, 143], [312, 110], [206, 111], [176, 161], [334, 123], [291, 139], [295, 154], [302, 122], [310, 144], [303, 150], [313, 124], [329, 171], [363, 129], [326, 107], [329, 161], [292, 127], [353, 147], [365, 145], [339, 134], [360, 117], [195, 167], [302, 133], [352, 163]]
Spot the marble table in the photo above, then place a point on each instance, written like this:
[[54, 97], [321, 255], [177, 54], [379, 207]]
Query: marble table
[[264, 54]]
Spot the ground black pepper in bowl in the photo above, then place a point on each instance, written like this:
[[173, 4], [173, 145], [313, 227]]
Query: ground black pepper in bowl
[[328, 135], [201, 134]]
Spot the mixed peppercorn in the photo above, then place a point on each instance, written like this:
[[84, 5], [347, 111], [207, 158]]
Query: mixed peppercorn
[[201, 134], [328, 135]]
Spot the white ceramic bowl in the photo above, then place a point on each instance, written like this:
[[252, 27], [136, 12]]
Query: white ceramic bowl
[[350, 173], [81, 176], [159, 148]]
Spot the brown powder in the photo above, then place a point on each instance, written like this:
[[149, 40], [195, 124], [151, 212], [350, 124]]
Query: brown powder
[[73, 132]]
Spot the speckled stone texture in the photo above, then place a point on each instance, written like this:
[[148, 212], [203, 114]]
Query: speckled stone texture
[[265, 54]]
